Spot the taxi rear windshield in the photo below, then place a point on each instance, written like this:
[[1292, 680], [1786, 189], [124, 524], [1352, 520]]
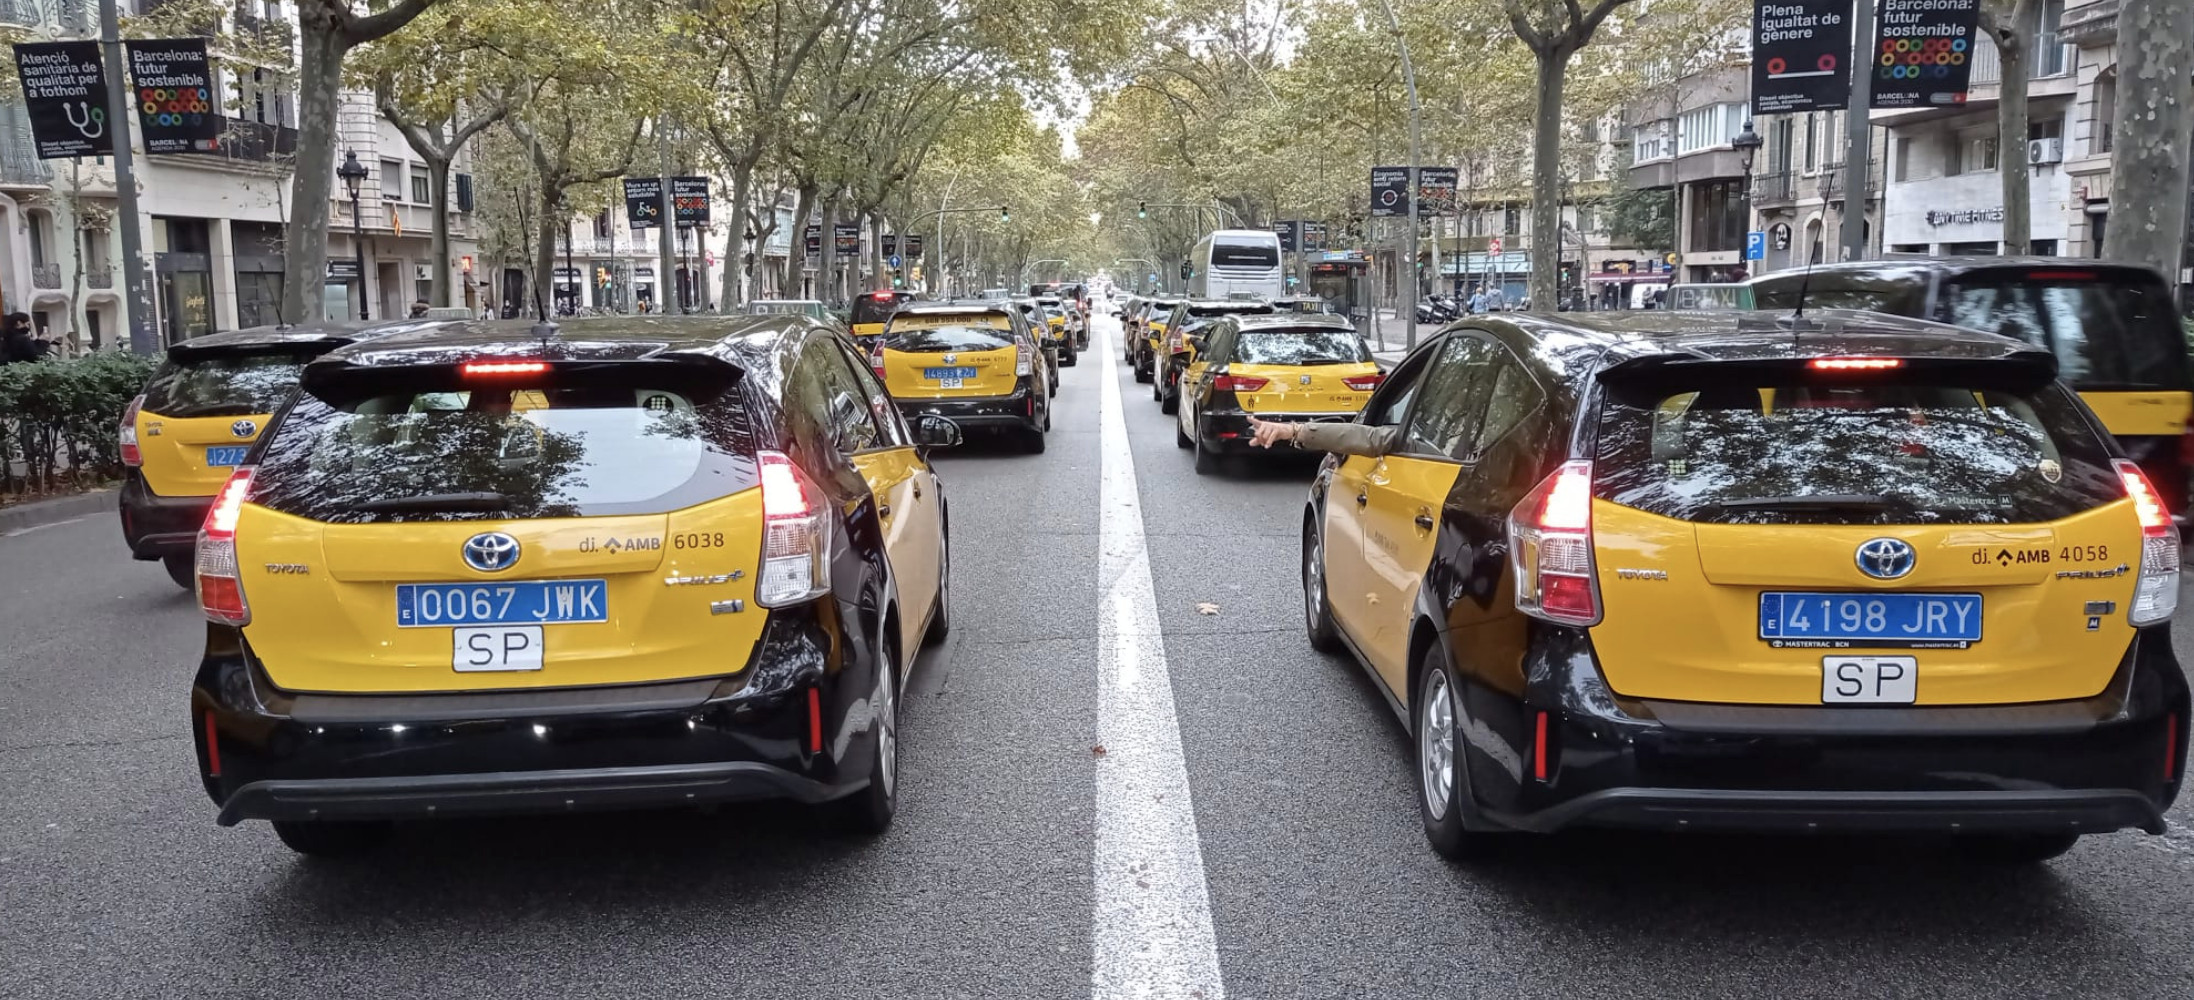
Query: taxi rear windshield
[[223, 385], [2108, 328], [966, 335], [505, 450], [1911, 451], [869, 309], [1300, 347]]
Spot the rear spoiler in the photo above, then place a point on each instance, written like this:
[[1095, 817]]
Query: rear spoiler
[[2017, 369], [187, 352]]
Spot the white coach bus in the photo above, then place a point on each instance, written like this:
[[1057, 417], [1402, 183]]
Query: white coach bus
[[1237, 263]]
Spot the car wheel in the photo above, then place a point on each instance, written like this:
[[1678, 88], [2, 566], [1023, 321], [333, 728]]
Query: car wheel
[[1158, 387], [332, 839], [1067, 358], [1032, 441], [1180, 436], [1440, 780], [869, 811], [2012, 850], [181, 569], [940, 617], [1142, 369], [1169, 398], [1317, 615], [1207, 461]]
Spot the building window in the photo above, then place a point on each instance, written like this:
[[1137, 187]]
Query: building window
[[1972, 151], [1717, 216], [1584, 220], [1511, 218], [601, 225], [2106, 114], [2050, 129], [392, 180], [1812, 143], [1651, 142], [1903, 165], [1708, 127], [2049, 47], [422, 189]]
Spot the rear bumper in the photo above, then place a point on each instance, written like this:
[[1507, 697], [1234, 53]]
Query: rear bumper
[[278, 755], [156, 526], [2089, 766], [1227, 430], [1018, 411]]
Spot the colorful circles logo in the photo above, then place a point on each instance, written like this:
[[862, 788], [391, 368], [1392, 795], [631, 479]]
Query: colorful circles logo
[[1914, 58], [173, 107]]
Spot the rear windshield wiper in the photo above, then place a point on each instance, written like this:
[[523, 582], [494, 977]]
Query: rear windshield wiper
[[453, 503], [1819, 501]]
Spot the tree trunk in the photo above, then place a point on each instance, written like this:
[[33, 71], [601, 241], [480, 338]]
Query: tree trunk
[[1546, 175], [2014, 37], [2150, 139], [831, 281], [796, 261], [544, 253], [438, 257], [319, 90], [735, 250], [878, 278]]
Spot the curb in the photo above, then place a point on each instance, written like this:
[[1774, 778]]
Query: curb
[[43, 512]]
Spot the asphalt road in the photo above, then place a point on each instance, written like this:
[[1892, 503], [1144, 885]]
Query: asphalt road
[[115, 882]]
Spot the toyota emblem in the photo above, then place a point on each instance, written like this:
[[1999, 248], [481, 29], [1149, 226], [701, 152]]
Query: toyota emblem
[[244, 428], [491, 551], [1886, 558]]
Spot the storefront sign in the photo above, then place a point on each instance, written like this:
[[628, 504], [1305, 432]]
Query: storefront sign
[[65, 89], [342, 269], [176, 109], [1967, 215], [1798, 53], [1923, 52]]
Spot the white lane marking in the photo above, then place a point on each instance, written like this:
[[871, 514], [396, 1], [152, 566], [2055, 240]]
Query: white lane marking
[[1152, 934], [38, 527]]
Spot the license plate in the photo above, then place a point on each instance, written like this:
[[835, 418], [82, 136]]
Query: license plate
[[496, 647], [1845, 621], [520, 602], [1869, 680], [951, 373], [226, 455]]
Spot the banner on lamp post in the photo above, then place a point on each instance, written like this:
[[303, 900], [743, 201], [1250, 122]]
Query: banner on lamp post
[[1800, 53], [65, 91], [173, 87]]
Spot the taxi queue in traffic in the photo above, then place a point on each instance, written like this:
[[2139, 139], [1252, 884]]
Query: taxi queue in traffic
[[1819, 570]]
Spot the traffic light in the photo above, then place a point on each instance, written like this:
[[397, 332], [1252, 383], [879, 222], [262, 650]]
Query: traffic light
[[1003, 215], [1187, 272], [1142, 210]]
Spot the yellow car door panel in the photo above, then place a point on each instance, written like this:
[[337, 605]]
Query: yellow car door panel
[[1400, 526]]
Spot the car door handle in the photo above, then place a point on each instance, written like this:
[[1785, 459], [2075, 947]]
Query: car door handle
[[1362, 499], [883, 510], [917, 491], [1424, 521]]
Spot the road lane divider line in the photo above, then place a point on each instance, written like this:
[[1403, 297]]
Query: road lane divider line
[[1151, 935]]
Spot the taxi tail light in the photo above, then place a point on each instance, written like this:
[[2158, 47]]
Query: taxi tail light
[[1550, 548], [220, 582], [1364, 383], [876, 358], [2156, 590], [1238, 383], [1020, 362], [130, 455], [795, 536]]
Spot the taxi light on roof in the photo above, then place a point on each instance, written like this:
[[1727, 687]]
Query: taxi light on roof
[[505, 367], [1854, 364]]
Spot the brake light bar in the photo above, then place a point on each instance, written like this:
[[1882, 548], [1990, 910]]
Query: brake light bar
[[2060, 275], [505, 367], [228, 505], [1854, 364], [1238, 383], [1364, 383], [881, 296]]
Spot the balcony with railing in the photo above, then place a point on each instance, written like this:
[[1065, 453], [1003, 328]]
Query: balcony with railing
[[46, 275], [99, 277], [1774, 189], [1834, 182], [257, 142]]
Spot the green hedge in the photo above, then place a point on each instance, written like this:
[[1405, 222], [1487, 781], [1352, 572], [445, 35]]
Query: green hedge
[[59, 419]]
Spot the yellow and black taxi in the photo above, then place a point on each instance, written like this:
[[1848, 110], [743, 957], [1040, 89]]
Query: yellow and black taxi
[[1058, 329], [972, 362], [1184, 330], [1278, 367], [871, 310], [2113, 327], [1037, 325], [1148, 335], [1128, 310], [1844, 572], [198, 416], [631, 562]]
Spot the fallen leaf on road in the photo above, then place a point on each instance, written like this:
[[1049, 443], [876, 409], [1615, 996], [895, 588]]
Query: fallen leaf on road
[[1207, 608], [1098, 750]]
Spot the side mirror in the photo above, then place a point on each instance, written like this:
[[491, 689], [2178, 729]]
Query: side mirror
[[937, 432], [1195, 342]]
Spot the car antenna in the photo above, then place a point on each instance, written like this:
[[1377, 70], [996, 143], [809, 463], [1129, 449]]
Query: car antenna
[[1804, 278]]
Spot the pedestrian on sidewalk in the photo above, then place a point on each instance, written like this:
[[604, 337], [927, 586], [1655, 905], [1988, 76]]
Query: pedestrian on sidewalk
[[419, 309], [1478, 300]]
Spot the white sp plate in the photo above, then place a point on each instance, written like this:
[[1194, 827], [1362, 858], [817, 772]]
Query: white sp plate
[[487, 648], [1870, 680]]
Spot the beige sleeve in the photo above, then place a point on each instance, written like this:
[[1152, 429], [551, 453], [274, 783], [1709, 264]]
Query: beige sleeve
[[1345, 439]]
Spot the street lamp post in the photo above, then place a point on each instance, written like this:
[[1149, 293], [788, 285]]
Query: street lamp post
[[353, 174], [1416, 153], [1747, 143]]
